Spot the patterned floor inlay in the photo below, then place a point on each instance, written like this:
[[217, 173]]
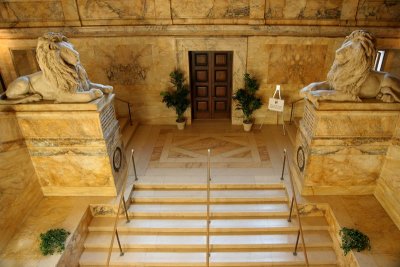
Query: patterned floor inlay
[[188, 150]]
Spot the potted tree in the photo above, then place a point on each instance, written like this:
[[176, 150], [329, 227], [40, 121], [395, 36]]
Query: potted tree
[[177, 97], [247, 101]]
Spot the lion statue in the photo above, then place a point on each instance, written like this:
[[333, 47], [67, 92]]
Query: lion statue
[[62, 77], [351, 77]]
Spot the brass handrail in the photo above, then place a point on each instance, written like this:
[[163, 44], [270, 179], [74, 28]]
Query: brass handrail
[[292, 109], [208, 207], [129, 109], [114, 232], [300, 231]]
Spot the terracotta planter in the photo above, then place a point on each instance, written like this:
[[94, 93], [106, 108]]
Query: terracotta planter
[[181, 125], [247, 126]]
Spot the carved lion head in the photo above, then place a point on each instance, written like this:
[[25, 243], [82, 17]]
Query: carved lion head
[[60, 63], [353, 62]]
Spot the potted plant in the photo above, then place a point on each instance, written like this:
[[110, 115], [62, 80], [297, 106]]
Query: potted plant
[[177, 97], [247, 101]]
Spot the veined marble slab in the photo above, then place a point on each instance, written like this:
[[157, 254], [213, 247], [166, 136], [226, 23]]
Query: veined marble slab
[[342, 147], [76, 149]]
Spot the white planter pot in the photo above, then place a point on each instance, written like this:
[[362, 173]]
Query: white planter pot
[[247, 127], [181, 125]]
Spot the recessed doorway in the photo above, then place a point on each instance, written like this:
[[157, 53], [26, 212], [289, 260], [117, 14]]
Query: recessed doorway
[[211, 84]]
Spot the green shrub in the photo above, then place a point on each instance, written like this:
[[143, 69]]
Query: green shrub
[[53, 241], [353, 239]]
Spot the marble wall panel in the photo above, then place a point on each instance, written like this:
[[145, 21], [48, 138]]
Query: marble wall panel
[[64, 168], [24, 13], [137, 67], [295, 64], [363, 124], [31, 10], [305, 9], [379, 10], [20, 191], [56, 124], [116, 9], [292, 63], [210, 9], [359, 170]]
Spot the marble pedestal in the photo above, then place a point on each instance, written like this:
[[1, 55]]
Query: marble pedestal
[[341, 147], [76, 149]]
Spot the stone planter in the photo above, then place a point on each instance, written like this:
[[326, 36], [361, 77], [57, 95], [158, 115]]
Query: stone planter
[[247, 126], [181, 125]]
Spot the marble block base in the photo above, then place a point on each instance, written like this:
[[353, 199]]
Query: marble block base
[[341, 147], [76, 149]]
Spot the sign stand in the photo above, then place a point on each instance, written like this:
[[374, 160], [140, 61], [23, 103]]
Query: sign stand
[[276, 104]]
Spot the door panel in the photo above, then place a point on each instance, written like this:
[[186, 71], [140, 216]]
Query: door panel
[[211, 84]]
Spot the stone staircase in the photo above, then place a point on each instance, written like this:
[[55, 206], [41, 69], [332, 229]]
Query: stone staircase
[[248, 227]]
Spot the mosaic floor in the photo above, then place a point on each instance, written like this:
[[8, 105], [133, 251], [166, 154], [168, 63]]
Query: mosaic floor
[[228, 150]]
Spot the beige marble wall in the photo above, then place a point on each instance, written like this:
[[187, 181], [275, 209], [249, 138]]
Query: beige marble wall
[[19, 186]]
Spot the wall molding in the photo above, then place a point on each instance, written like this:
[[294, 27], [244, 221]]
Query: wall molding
[[200, 30]]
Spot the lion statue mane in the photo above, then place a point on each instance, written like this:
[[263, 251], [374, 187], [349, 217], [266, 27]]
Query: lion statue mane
[[62, 77], [351, 77]]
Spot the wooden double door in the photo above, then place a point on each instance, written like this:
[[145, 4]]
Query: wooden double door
[[211, 84]]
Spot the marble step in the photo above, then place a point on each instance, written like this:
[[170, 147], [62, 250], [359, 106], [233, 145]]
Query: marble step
[[216, 197], [166, 187], [273, 242], [239, 208], [213, 201], [100, 238], [198, 227], [198, 211], [317, 257], [213, 194]]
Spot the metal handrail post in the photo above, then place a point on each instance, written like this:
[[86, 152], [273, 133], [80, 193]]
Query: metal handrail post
[[208, 206], [126, 211], [284, 163], [130, 116], [291, 114], [298, 218], [115, 232], [119, 243], [297, 243], [291, 210], [133, 163]]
